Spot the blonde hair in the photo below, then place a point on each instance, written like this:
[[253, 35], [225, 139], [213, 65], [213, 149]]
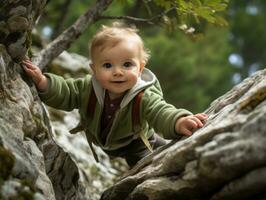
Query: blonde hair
[[111, 35]]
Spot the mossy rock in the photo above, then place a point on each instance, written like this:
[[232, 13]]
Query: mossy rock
[[21, 190], [7, 161]]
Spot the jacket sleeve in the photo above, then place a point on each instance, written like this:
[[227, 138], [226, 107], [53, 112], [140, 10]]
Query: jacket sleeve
[[65, 94], [161, 115]]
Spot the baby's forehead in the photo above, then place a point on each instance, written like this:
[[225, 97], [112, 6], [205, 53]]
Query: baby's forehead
[[106, 40], [115, 39], [113, 42], [123, 50]]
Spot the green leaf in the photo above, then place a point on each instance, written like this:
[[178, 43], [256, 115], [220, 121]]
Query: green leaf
[[217, 5], [221, 21], [184, 5], [220, 7], [163, 3], [206, 13], [197, 2], [124, 2]]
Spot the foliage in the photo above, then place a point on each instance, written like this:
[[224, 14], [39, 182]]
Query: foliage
[[247, 25], [198, 9], [190, 72], [198, 71]]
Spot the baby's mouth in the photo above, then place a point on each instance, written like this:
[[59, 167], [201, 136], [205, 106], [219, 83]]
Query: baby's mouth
[[117, 81]]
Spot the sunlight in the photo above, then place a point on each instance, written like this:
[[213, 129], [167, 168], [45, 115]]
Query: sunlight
[[236, 60], [252, 9]]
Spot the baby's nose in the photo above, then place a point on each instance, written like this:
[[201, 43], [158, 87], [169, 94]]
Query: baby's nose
[[117, 71]]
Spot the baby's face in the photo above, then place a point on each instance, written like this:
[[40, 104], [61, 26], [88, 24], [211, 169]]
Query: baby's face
[[117, 67]]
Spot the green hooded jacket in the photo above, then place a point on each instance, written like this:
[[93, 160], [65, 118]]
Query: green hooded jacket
[[156, 115]]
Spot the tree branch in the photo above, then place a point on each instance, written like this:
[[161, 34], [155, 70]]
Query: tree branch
[[64, 40], [129, 18], [151, 21]]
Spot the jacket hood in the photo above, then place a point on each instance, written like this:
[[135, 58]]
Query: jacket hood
[[146, 79]]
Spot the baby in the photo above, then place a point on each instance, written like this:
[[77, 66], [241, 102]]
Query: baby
[[121, 105]]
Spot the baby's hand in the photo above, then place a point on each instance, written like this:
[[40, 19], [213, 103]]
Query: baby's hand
[[187, 125], [35, 73]]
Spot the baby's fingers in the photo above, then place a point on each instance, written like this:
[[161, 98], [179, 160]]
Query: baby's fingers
[[201, 116], [30, 72], [191, 124], [187, 132], [25, 67], [189, 127], [197, 121], [28, 64]]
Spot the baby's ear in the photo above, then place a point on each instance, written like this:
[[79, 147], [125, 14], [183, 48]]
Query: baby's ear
[[142, 65], [92, 66]]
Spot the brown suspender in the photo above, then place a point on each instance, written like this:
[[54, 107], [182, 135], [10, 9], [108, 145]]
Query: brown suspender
[[136, 109], [91, 103], [135, 118]]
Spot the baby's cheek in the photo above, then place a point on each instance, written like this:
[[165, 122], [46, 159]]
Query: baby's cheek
[[102, 80], [134, 75]]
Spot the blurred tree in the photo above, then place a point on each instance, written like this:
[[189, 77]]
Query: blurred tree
[[169, 13], [192, 74], [247, 25], [62, 17], [194, 69]]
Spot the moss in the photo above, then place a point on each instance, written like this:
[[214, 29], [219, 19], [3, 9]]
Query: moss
[[7, 162], [29, 43], [41, 132], [25, 194], [27, 189], [94, 170], [29, 184]]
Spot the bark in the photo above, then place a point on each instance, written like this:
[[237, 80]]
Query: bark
[[226, 159], [63, 41], [32, 166]]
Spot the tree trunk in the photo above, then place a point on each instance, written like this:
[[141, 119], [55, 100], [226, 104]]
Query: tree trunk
[[32, 166], [226, 159]]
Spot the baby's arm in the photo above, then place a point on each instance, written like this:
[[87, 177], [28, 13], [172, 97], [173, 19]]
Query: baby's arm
[[187, 125], [35, 73]]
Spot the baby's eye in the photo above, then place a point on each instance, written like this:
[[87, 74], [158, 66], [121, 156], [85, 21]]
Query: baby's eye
[[107, 65], [127, 64]]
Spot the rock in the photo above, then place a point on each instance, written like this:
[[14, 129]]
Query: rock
[[16, 114], [18, 23], [226, 159], [70, 65], [95, 176], [25, 130], [17, 49], [3, 31], [18, 11]]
